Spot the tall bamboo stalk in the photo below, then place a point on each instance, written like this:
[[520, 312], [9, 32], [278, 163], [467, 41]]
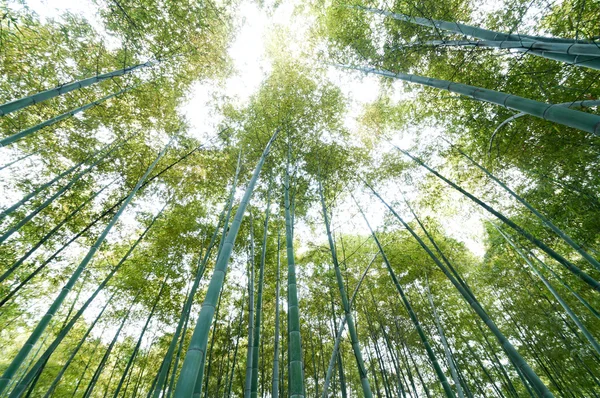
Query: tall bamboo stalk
[[195, 357], [24, 133], [513, 354], [552, 112], [65, 330], [43, 323], [413, 316], [542, 46], [275, 377], [249, 350], [257, 319], [567, 264], [295, 363], [362, 370], [42, 96]]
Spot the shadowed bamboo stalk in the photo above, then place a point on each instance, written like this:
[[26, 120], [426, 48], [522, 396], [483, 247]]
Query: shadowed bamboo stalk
[[24, 133], [139, 342], [235, 351], [65, 88], [275, 377], [295, 362], [195, 357], [38, 367], [554, 293], [257, 320], [567, 264], [552, 112], [413, 316], [516, 358], [201, 267], [249, 350], [43, 323], [484, 34], [362, 370], [564, 48], [532, 209]]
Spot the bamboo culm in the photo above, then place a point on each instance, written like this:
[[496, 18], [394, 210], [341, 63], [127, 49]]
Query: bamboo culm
[[196, 351], [513, 354], [249, 348], [554, 293], [295, 363], [552, 112], [41, 326], [436, 366], [484, 34], [567, 264], [55, 195], [275, 377], [362, 370], [21, 103], [65, 330], [257, 319], [46, 237], [24, 133], [139, 342], [532, 209], [564, 48]]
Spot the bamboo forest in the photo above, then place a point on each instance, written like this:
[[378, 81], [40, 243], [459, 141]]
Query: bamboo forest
[[300, 198]]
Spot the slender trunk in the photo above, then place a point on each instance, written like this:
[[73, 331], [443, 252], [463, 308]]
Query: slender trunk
[[484, 34], [210, 351], [194, 360], [275, 377], [510, 350], [54, 196], [24, 133], [438, 370], [46, 237], [362, 371], [257, 320], [542, 46], [235, 351], [570, 266], [201, 267], [139, 342], [178, 356], [41, 326], [249, 348], [296, 376], [552, 112], [554, 293], [447, 351], [21, 103], [100, 368]]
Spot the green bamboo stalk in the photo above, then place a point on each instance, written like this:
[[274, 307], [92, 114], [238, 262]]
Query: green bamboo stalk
[[543, 218], [552, 112], [275, 377], [510, 350], [567, 264], [9, 210], [484, 34], [295, 363], [413, 316], [18, 160], [92, 384], [362, 370], [46, 237], [210, 351], [76, 350], [24, 133], [554, 293], [139, 341], [65, 330], [249, 350], [178, 356], [447, 351], [55, 195], [563, 48], [340, 330], [235, 351], [257, 319], [196, 351], [41, 326], [42, 96]]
